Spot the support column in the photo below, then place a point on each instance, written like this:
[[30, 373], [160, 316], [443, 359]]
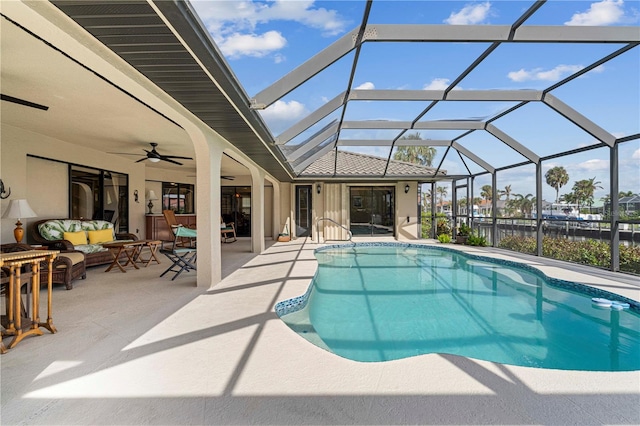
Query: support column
[[208, 159], [433, 211], [614, 189], [539, 208], [276, 208], [257, 210], [494, 208]]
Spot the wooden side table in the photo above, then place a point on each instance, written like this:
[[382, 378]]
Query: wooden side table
[[14, 261], [153, 246], [129, 248]]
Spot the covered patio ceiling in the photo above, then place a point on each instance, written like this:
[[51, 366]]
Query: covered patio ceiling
[[196, 74]]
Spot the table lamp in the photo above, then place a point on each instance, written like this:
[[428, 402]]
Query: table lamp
[[151, 196], [18, 209]]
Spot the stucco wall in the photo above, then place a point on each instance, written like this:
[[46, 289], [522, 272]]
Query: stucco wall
[[45, 183]]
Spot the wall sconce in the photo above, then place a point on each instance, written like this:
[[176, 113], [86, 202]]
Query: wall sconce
[[406, 188], [318, 188], [4, 195]]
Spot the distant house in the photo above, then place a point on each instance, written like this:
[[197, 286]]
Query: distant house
[[628, 205]]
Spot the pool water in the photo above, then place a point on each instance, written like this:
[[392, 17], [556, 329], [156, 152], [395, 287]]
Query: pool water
[[390, 301]]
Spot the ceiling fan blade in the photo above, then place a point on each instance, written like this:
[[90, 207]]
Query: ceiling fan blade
[[142, 159], [176, 156], [170, 161], [123, 153], [228, 177]]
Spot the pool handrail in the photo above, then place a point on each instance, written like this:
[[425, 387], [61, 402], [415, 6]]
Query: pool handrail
[[349, 233]]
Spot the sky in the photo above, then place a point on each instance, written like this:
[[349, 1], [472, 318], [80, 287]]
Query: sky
[[263, 41]]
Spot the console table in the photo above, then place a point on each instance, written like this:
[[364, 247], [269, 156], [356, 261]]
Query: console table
[[14, 261], [157, 228]]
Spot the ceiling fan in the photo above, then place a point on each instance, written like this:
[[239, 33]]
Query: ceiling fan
[[154, 156]]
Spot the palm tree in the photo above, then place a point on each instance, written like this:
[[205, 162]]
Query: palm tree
[[584, 189], [523, 203], [486, 192], [442, 192], [557, 177], [506, 192], [422, 155], [426, 200]]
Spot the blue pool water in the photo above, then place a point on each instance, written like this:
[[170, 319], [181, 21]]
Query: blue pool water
[[385, 301]]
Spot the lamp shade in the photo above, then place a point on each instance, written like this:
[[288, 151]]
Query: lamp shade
[[18, 209], [152, 195]]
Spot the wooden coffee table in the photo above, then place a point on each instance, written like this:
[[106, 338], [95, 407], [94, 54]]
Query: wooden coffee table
[[132, 251]]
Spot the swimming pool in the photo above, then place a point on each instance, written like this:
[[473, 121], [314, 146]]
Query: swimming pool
[[386, 301]]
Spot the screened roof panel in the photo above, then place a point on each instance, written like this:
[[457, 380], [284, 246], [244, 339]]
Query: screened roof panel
[[548, 134], [497, 82], [615, 84], [452, 163], [323, 124], [490, 149], [472, 166], [430, 12], [383, 110], [467, 110], [533, 65], [441, 63], [556, 12]]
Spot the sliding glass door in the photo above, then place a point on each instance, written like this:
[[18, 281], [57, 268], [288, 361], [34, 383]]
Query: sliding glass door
[[372, 210], [100, 194]]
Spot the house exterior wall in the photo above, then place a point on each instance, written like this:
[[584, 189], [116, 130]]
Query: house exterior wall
[[46, 186], [333, 203]]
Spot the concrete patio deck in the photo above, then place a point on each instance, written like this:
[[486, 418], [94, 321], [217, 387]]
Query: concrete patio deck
[[138, 349]]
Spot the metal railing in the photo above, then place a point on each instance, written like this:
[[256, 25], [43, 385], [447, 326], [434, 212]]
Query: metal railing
[[332, 221]]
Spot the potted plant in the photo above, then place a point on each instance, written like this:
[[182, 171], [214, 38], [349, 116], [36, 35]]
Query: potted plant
[[463, 233]]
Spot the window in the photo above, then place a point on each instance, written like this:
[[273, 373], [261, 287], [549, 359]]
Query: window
[[178, 197]]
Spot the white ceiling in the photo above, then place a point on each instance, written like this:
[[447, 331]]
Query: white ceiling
[[83, 108]]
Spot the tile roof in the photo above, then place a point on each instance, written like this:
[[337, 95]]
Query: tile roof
[[355, 164]]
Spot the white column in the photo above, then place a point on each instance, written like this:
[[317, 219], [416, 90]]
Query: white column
[[208, 158], [257, 210]]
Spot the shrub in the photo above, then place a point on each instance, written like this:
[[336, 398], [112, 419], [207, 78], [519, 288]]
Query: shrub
[[444, 238], [476, 240], [442, 226], [426, 226], [588, 252], [464, 229]]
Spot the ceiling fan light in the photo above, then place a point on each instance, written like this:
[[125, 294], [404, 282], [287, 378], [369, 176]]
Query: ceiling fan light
[[154, 160]]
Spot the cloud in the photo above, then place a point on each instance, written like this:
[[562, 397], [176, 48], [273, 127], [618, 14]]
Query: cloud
[[636, 154], [437, 84], [234, 23], [257, 46], [366, 86], [554, 74], [606, 12], [328, 21], [593, 165], [469, 15], [281, 115]]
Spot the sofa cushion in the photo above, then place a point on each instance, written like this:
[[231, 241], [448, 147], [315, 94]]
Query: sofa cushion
[[90, 248], [75, 238], [53, 230], [101, 236], [74, 257]]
